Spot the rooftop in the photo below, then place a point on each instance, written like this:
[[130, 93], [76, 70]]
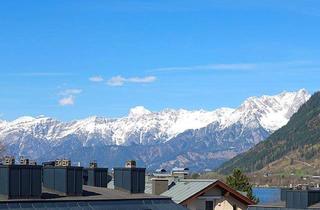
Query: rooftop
[[93, 198], [293, 199], [91, 193], [280, 205], [186, 188]]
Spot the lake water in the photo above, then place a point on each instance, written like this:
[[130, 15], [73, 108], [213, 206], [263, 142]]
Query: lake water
[[267, 195]]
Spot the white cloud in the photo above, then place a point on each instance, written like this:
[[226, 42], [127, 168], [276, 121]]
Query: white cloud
[[221, 66], [68, 96], [70, 92], [119, 80], [67, 101], [41, 74], [148, 79], [96, 79], [116, 81], [242, 67]]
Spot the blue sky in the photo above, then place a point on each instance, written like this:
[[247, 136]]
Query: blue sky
[[71, 59]]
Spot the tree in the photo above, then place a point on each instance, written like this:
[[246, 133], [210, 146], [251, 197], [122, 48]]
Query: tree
[[240, 182]]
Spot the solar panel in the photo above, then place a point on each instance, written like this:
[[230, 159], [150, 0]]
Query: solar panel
[[94, 205]]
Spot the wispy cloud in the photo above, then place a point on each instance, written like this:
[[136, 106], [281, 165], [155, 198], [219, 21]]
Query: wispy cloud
[[120, 80], [222, 66], [68, 96], [73, 91], [41, 74], [67, 101], [148, 79], [116, 81], [242, 67], [96, 79]]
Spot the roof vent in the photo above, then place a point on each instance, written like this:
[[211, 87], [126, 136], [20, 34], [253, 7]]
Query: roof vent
[[131, 164], [62, 162], [8, 160], [93, 164], [32, 163], [24, 161]]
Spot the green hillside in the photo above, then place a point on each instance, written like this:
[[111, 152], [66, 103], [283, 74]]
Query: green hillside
[[300, 135]]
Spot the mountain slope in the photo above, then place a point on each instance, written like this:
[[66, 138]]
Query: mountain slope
[[300, 134], [197, 139], [141, 126]]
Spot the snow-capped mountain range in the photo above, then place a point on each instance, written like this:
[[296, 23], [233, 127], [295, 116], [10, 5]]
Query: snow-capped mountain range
[[43, 137]]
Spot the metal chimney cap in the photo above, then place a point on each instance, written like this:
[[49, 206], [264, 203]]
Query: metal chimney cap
[[8, 160], [93, 164], [131, 164]]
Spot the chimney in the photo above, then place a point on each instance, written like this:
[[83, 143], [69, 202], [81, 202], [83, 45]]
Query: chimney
[[93, 164], [130, 178], [131, 164], [8, 160], [63, 162], [24, 161], [94, 176], [62, 178], [32, 162], [20, 181], [300, 199], [181, 173], [159, 186]]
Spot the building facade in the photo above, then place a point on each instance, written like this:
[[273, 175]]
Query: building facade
[[197, 194]]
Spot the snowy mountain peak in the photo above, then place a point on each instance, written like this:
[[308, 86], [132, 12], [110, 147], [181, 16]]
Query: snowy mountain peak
[[24, 119], [270, 112], [142, 126], [196, 138], [138, 111]]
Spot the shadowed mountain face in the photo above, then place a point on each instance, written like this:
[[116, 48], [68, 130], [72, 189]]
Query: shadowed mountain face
[[195, 139], [300, 138]]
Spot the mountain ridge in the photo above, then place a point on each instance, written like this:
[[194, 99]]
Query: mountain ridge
[[195, 133], [301, 133]]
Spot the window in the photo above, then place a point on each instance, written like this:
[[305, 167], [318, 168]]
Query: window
[[209, 205]]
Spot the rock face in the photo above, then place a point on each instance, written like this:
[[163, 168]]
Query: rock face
[[197, 139]]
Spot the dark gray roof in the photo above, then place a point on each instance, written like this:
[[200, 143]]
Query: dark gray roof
[[92, 193], [278, 205], [100, 193], [315, 206], [96, 205], [147, 189], [94, 198]]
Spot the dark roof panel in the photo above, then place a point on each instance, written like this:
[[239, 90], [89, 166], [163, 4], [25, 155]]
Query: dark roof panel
[[93, 205], [94, 198]]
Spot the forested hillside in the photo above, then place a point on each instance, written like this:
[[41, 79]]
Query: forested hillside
[[301, 135]]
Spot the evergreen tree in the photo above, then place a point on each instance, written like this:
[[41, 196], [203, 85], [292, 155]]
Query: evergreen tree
[[240, 182]]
